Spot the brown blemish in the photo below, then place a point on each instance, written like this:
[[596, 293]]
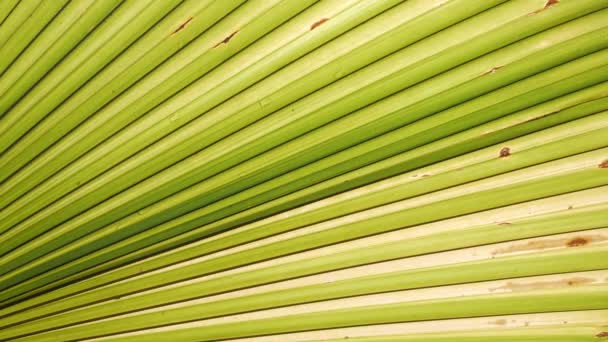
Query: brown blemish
[[604, 164], [500, 322], [602, 334], [226, 40], [574, 281], [549, 243], [318, 23], [425, 175], [576, 242], [493, 70], [505, 152], [183, 25], [504, 223], [548, 4]]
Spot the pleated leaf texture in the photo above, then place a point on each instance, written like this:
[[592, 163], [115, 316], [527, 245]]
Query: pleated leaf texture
[[302, 170]]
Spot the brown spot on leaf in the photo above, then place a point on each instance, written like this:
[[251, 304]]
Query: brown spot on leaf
[[493, 70], [602, 334], [525, 286], [183, 25], [318, 23], [505, 152], [226, 40], [504, 223], [579, 241], [500, 322], [540, 244], [548, 4], [604, 164]]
